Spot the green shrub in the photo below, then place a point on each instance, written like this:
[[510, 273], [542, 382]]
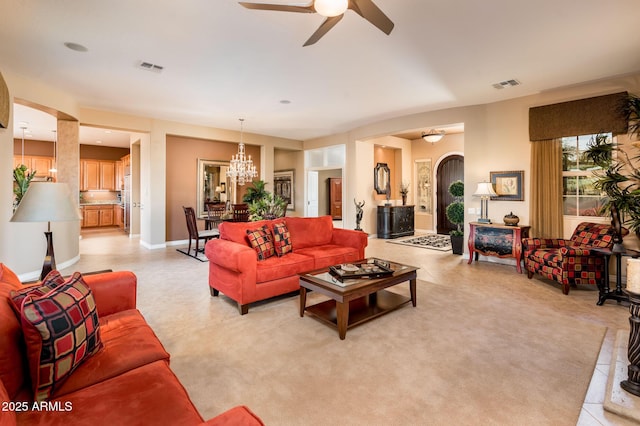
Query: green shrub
[[455, 210]]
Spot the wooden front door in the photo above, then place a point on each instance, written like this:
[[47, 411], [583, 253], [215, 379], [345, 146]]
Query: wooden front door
[[449, 170]]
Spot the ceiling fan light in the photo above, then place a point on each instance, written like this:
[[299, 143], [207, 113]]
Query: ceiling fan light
[[329, 8], [433, 135]]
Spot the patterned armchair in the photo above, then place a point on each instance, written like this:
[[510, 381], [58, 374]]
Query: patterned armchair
[[570, 262]]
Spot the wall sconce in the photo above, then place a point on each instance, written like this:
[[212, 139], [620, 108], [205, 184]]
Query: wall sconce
[[484, 191], [433, 135]]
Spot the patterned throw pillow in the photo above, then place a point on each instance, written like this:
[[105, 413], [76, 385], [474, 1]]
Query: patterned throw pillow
[[61, 330], [282, 239], [261, 242], [51, 281]]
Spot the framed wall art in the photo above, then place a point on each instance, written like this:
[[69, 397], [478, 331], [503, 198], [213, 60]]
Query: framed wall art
[[283, 185], [423, 190], [508, 185]]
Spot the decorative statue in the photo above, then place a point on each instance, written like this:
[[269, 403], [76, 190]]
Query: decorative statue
[[359, 212]]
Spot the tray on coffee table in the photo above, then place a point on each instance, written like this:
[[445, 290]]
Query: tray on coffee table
[[370, 269]]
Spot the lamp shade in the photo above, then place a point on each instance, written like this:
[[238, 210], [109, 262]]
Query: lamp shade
[[485, 189], [46, 202], [433, 135], [330, 8]]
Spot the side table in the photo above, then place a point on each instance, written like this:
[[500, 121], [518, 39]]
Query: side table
[[500, 240], [605, 291]]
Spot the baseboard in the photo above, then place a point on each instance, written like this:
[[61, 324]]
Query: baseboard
[[35, 275], [152, 246]]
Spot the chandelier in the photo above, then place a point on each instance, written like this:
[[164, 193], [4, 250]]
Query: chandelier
[[241, 168]]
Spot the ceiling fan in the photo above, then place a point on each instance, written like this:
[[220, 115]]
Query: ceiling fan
[[333, 10]]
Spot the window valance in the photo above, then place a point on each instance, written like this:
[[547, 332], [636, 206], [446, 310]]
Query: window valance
[[581, 117]]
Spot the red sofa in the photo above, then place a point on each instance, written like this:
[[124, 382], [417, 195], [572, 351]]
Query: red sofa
[[234, 268], [126, 382]]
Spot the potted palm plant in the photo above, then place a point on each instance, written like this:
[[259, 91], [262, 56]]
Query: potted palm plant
[[455, 214], [21, 181], [619, 174]]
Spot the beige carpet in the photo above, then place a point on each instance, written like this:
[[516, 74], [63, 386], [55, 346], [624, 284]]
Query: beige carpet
[[484, 346]]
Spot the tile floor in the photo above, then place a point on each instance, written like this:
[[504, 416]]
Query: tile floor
[[102, 241]]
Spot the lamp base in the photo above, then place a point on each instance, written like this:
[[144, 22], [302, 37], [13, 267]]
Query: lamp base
[[484, 220], [49, 259]]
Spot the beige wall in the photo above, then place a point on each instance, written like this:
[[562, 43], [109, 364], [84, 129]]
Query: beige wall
[[182, 170], [450, 144], [285, 159], [495, 139], [323, 189], [22, 246]]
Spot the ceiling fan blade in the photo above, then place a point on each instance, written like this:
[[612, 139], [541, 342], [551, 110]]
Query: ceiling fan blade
[[372, 13], [278, 7], [323, 29]]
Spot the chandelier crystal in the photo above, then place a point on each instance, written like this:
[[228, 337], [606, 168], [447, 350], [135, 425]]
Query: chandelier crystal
[[241, 170]]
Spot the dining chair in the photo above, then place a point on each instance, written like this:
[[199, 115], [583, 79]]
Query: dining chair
[[195, 234]]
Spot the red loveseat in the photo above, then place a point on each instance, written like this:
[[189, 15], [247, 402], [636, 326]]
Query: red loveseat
[[126, 382], [234, 268]]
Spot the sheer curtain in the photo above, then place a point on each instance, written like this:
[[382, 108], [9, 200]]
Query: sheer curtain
[[546, 189]]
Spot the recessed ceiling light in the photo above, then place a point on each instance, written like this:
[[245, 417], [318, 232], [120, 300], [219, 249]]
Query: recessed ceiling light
[[98, 141], [76, 47], [108, 131], [285, 102]]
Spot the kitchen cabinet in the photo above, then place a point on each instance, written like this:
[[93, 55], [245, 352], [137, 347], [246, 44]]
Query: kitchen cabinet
[[118, 213], [90, 175], [119, 176], [108, 175], [97, 175], [99, 215], [34, 162]]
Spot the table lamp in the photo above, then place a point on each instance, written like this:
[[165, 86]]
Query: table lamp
[[484, 191], [47, 202]]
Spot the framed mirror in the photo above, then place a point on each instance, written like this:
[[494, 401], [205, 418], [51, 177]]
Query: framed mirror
[[213, 184], [382, 178]]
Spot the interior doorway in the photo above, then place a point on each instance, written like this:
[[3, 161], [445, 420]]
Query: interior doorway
[[450, 169]]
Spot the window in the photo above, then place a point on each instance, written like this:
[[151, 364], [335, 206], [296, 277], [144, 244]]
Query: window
[[580, 197]]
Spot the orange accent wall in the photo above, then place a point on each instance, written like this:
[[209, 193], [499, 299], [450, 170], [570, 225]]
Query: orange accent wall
[[386, 155], [182, 166]]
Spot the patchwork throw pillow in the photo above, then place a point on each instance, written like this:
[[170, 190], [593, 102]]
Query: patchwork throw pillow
[[51, 281], [261, 242], [282, 239], [61, 330]]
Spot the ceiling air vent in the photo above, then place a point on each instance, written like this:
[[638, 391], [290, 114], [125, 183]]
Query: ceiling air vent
[[150, 67], [506, 83]]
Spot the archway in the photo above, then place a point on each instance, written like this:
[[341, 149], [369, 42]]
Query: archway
[[450, 169]]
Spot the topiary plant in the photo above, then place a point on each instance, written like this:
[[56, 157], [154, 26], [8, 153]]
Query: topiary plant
[[455, 210]]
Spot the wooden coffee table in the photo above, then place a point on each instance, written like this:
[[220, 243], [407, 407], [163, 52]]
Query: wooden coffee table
[[356, 300]]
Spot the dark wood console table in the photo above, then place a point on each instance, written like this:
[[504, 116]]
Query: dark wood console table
[[605, 292], [492, 239], [395, 221]]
